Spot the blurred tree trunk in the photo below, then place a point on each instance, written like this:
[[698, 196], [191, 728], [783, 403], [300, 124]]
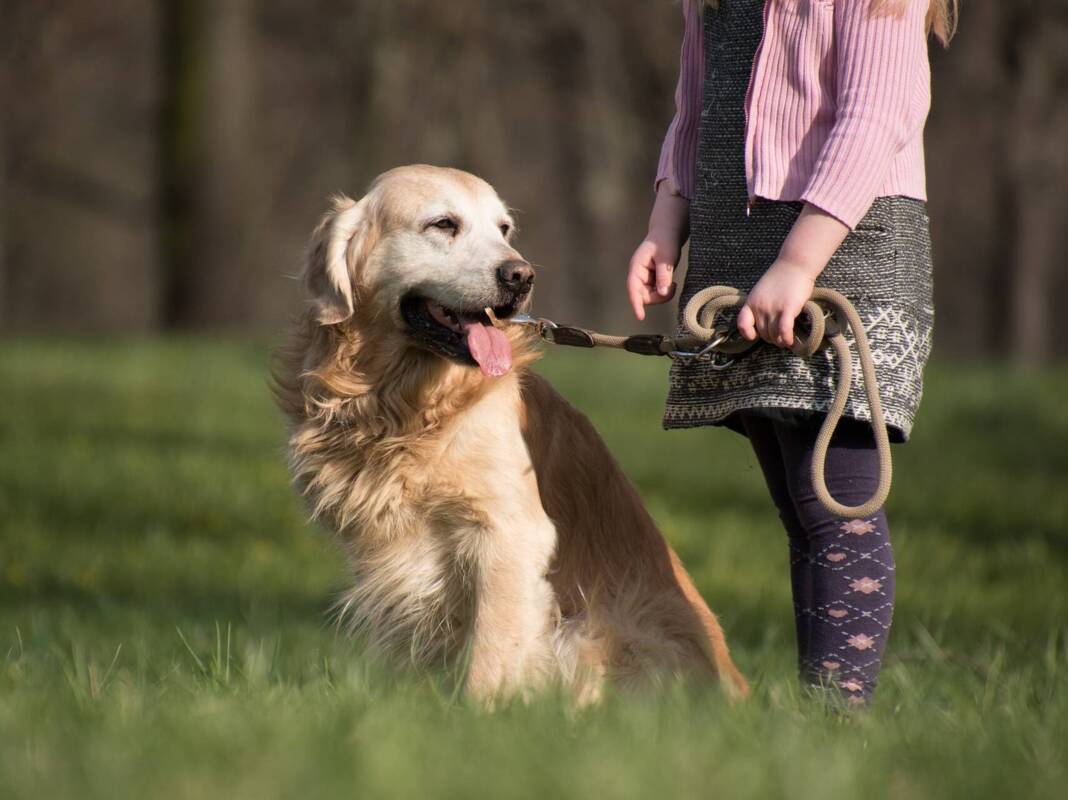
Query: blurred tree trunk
[[175, 182], [7, 60], [205, 163], [564, 59], [969, 209], [4, 199], [1038, 154]]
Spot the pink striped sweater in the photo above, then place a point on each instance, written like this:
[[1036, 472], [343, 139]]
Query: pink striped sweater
[[837, 103]]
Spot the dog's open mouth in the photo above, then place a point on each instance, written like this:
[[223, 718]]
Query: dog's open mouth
[[469, 337]]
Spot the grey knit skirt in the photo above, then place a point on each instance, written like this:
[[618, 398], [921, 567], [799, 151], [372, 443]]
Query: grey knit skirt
[[883, 267]]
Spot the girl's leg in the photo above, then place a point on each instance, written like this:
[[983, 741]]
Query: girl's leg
[[851, 561], [765, 442]]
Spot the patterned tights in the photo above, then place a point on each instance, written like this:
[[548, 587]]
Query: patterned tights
[[841, 571]]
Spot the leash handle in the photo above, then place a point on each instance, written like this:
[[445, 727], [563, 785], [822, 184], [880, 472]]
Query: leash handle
[[699, 316]]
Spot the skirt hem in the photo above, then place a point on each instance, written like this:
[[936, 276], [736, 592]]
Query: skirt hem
[[899, 427]]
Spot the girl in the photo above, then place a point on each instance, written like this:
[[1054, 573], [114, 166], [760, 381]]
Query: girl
[[796, 158]]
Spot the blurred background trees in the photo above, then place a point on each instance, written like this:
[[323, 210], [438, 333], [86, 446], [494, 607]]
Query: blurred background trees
[[163, 162]]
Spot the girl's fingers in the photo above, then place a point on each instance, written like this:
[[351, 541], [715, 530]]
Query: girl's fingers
[[637, 295], [657, 298], [776, 329], [664, 286], [786, 330], [747, 324], [638, 286], [765, 325], [648, 282], [635, 272], [645, 295]]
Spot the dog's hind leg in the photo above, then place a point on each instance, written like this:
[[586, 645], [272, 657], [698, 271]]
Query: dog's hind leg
[[715, 642]]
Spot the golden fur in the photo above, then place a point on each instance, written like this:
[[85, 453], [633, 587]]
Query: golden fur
[[482, 517]]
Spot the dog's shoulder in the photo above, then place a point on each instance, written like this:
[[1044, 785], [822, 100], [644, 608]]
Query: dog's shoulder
[[556, 433]]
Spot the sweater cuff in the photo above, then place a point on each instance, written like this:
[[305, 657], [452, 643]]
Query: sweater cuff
[[667, 169], [848, 213], [668, 183]]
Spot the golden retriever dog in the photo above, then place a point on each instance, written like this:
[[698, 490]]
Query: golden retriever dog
[[484, 520]]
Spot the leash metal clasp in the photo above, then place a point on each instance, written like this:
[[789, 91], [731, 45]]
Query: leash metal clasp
[[706, 352], [539, 324], [526, 319]]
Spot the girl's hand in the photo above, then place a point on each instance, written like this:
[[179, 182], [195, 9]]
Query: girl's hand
[[652, 267], [774, 304], [649, 280], [772, 307]]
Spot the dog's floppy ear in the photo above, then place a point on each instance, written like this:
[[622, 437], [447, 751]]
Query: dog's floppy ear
[[341, 239]]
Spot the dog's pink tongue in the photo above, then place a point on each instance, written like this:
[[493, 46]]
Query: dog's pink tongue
[[489, 347]]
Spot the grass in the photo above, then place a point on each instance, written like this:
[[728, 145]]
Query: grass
[[164, 628]]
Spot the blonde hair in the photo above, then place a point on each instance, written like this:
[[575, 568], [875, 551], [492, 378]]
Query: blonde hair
[[941, 16]]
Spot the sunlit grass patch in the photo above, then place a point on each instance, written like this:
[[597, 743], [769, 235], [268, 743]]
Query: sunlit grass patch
[[164, 625]]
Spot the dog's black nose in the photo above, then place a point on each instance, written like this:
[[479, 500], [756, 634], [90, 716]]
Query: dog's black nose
[[516, 275]]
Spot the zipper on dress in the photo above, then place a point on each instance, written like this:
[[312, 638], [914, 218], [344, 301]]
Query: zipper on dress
[[748, 101]]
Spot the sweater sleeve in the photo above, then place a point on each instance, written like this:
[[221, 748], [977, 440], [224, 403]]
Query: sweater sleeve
[[678, 154], [879, 59]]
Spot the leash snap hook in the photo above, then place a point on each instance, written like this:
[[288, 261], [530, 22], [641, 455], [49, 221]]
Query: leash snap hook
[[706, 351], [832, 324], [534, 322], [540, 325]]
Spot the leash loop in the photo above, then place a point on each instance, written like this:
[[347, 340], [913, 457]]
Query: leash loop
[[828, 315]]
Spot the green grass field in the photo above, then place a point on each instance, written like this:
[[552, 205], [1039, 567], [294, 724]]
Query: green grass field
[[164, 608]]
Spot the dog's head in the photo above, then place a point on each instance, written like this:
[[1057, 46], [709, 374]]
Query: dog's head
[[418, 260]]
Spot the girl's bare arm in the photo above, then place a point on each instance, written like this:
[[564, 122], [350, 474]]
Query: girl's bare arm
[[777, 299]]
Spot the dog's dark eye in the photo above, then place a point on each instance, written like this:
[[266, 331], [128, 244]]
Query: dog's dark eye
[[446, 224], [505, 229]]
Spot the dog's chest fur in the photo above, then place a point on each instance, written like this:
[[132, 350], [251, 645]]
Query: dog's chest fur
[[422, 518]]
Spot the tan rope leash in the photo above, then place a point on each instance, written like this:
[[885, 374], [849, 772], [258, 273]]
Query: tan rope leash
[[719, 347]]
